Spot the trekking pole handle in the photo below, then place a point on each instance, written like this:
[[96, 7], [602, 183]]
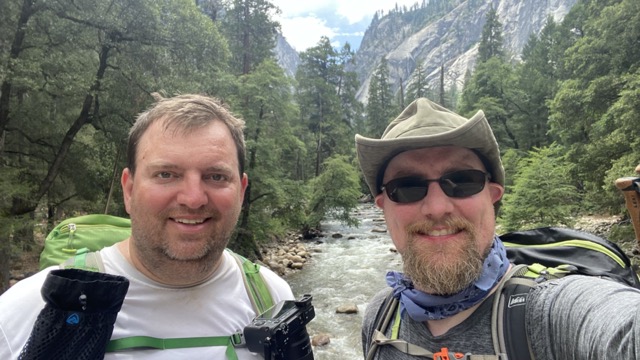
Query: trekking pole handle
[[630, 187]]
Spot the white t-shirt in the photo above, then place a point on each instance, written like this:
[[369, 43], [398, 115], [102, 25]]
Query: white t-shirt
[[218, 307]]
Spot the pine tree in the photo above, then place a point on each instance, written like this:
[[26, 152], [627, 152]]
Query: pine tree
[[491, 43], [380, 108]]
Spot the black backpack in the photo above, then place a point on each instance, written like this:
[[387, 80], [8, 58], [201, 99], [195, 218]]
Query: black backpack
[[539, 254]]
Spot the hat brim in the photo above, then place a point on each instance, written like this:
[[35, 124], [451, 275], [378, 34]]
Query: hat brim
[[475, 134]]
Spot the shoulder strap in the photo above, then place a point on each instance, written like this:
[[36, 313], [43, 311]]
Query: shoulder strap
[[389, 306], [84, 260], [254, 283], [508, 329]]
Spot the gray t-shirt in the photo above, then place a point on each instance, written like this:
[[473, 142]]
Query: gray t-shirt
[[577, 318]]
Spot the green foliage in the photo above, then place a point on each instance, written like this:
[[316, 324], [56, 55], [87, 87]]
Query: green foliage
[[418, 86], [251, 32], [510, 161], [380, 107], [326, 92], [491, 40], [542, 193], [335, 192]]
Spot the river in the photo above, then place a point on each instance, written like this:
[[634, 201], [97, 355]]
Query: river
[[343, 271]]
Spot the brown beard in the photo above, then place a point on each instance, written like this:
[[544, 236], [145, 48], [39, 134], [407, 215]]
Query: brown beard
[[446, 268], [165, 262]]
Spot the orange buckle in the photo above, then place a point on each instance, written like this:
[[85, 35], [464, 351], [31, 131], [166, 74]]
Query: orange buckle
[[444, 354]]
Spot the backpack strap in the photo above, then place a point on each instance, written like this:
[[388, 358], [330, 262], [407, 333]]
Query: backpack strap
[[254, 283], [84, 260], [508, 328], [507, 318], [382, 323]]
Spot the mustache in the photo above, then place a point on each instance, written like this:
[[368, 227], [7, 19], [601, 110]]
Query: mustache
[[427, 225]]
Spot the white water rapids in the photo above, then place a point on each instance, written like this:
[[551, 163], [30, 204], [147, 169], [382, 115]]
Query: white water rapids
[[343, 271]]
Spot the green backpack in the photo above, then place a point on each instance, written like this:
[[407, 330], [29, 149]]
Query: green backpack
[[92, 232], [539, 254], [74, 244]]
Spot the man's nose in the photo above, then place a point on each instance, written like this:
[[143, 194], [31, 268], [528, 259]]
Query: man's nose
[[193, 193], [436, 204]]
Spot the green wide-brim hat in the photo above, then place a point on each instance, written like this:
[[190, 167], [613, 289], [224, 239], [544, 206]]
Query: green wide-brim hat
[[426, 124]]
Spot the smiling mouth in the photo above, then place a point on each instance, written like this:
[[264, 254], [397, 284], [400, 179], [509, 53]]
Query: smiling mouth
[[441, 232], [190, 221]]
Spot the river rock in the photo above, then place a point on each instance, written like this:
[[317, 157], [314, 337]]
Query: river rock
[[347, 309], [379, 230], [336, 236], [321, 340]]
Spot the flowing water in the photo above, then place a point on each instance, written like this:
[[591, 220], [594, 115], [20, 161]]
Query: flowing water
[[345, 271]]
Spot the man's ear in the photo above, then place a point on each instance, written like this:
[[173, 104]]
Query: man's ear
[[379, 200], [496, 191], [126, 181]]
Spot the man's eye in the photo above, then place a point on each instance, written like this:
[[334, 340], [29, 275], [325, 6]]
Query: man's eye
[[218, 177], [164, 175]]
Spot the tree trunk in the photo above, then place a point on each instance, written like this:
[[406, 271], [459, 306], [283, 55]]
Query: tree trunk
[[16, 47]]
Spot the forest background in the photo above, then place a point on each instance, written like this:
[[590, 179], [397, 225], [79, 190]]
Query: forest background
[[74, 75]]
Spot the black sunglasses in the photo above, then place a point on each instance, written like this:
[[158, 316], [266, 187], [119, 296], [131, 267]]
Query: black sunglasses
[[457, 184]]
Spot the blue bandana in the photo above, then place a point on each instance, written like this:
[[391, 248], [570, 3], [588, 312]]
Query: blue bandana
[[422, 306]]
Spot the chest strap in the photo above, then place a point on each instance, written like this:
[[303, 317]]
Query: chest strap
[[148, 342], [415, 350]]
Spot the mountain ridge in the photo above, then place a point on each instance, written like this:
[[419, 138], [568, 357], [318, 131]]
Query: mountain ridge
[[445, 35]]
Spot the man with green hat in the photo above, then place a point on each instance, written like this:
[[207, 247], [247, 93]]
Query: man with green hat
[[439, 180]]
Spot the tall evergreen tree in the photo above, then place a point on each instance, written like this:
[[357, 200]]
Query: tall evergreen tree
[[537, 80], [491, 43], [418, 86], [274, 201], [251, 32], [319, 78], [491, 85], [380, 108]]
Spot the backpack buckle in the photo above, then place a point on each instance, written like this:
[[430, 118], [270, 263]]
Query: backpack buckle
[[445, 354], [238, 340]]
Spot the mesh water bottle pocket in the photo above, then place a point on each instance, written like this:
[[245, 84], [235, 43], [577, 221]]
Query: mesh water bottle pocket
[[78, 318]]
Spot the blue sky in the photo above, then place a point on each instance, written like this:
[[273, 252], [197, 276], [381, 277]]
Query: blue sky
[[305, 21]]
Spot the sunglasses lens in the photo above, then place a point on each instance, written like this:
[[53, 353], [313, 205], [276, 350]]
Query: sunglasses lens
[[458, 184], [463, 183], [407, 190]]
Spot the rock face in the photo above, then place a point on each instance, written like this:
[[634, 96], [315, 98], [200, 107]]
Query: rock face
[[287, 57], [450, 39]]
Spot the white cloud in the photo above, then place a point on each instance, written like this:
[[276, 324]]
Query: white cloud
[[303, 29], [305, 32]]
